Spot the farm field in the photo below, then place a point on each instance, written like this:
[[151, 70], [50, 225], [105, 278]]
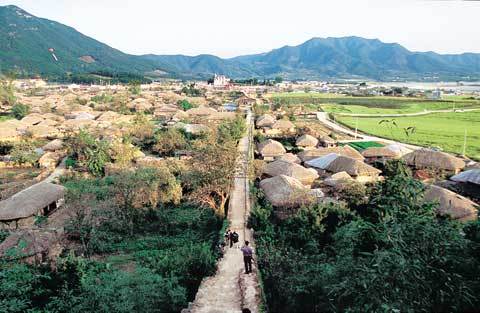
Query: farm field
[[444, 130], [335, 103]]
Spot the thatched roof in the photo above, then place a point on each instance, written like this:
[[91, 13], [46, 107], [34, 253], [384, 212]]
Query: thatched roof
[[8, 132], [108, 116], [380, 152], [290, 157], [265, 120], [218, 116], [327, 139], [452, 204], [53, 145], [304, 175], [27, 243], [284, 125], [425, 158], [352, 167], [271, 148], [398, 149], [29, 201], [42, 131], [338, 179], [282, 190], [201, 111], [470, 176], [348, 151], [180, 115], [32, 119], [306, 141]]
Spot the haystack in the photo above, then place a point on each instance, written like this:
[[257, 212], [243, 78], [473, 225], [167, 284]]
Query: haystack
[[470, 176], [452, 204], [265, 120], [271, 149], [304, 175], [307, 141], [431, 159], [283, 190]]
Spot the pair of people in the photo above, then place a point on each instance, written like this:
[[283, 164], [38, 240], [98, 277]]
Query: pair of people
[[231, 238], [247, 251]]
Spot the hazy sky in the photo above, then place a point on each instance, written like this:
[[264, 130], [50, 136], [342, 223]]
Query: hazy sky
[[235, 27]]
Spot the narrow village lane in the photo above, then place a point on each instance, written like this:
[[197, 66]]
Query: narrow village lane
[[230, 290]]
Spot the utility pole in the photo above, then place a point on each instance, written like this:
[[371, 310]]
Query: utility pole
[[356, 128], [465, 143]]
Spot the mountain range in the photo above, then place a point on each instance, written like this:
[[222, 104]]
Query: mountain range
[[32, 45]]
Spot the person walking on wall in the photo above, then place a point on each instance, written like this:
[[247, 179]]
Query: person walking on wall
[[247, 257]]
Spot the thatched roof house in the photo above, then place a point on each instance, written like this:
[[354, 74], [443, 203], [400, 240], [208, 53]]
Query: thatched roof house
[[265, 120], [40, 198], [380, 152], [304, 175], [8, 131], [54, 145], [347, 151], [245, 100], [398, 149], [452, 204], [270, 149], [327, 141], [306, 141], [352, 167], [380, 155], [284, 126], [201, 111], [283, 190], [470, 176], [334, 163], [338, 179], [431, 159], [290, 157]]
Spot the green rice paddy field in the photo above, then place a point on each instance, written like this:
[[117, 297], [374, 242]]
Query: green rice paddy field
[[444, 130]]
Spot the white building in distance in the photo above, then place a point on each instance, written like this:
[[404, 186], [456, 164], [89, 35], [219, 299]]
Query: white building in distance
[[220, 81]]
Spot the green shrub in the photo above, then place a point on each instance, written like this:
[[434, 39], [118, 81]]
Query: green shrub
[[20, 110], [24, 153]]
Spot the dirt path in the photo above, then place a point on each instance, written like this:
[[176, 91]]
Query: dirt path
[[324, 119], [230, 290]]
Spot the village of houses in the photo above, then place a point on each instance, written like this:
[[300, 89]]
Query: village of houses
[[294, 158]]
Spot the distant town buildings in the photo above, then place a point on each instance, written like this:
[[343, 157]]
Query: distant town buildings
[[220, 81]]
